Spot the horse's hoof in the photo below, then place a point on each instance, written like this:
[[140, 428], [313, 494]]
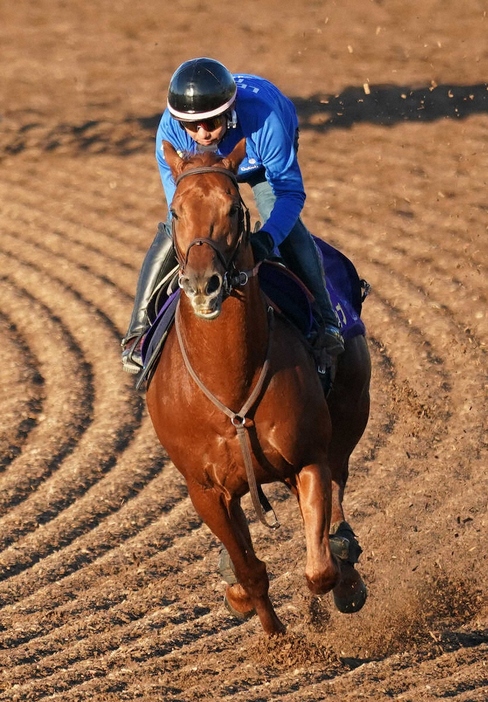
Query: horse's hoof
[[343, 543], [354, 601], [242, 616], [345, 547]]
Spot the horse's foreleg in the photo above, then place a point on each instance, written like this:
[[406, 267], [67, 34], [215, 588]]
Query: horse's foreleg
[[314, 495], [228, 525], [237, 600]]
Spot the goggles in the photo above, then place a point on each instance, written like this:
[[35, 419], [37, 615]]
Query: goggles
[[209, 125]]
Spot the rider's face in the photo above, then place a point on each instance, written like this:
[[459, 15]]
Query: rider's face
[[207, 132]]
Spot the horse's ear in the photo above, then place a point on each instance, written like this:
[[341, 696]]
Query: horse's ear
[[172, 158], [233, 160]]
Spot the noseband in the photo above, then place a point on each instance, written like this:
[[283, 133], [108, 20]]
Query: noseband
[[232, 277]]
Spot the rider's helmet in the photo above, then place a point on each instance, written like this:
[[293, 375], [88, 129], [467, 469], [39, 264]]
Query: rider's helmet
[[200, 89]]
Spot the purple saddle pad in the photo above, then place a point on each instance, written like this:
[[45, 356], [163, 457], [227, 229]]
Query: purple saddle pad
[[345, 289]]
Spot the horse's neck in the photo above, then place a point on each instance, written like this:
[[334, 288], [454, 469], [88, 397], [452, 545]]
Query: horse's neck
[[228, 352]]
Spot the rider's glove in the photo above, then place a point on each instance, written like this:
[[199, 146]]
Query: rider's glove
[[262, 245]]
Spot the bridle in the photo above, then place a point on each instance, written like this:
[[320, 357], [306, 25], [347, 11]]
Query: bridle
[[232, 277]]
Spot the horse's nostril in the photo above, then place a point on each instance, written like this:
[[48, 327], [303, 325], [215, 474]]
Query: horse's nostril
[[185, 285], [213, 284]]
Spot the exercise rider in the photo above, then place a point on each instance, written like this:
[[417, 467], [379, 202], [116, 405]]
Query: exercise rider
[[210, 109]]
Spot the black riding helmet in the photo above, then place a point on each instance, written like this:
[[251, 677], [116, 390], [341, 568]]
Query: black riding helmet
[[199, 89]]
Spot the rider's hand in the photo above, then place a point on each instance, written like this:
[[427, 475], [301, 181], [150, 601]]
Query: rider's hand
[[262, 245]]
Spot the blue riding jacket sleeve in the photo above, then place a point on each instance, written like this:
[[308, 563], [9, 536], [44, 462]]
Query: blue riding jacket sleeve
[[268, 121]]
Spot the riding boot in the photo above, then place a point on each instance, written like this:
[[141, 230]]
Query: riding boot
[[158, 263], [302, 257]]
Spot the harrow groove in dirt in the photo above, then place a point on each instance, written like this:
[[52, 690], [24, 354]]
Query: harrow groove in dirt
[[118, 542], [64, 413], [87, 236], [109, 588], [20, 412]]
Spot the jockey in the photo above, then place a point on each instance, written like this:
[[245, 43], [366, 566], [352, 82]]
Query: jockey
[[209, 108]]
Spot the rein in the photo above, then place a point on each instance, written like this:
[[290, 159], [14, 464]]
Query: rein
[[208, 169], [238, 419]]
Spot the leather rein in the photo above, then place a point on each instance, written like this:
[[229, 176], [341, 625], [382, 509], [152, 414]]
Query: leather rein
[[234, 278]]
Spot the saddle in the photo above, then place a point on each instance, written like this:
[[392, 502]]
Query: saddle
[[287, 295]]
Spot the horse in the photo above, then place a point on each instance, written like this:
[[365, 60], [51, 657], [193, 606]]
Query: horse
[[236, 400]]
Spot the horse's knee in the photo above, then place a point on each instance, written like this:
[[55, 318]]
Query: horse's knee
[[323, 579], [322, 584]]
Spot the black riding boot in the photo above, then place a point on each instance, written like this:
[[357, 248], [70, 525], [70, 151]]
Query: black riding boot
[[300, 254], [158, 263]]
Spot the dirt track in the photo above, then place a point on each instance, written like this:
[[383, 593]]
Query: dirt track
[[108, 583]]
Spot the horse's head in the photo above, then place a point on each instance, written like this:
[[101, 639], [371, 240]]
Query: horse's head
[[210, 225]]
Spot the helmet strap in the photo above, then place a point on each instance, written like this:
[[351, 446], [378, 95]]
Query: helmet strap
[[232, 119]]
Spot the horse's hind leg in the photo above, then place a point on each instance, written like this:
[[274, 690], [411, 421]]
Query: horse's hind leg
[[314, 497], [348, 404], [230, 527], [349, 410]]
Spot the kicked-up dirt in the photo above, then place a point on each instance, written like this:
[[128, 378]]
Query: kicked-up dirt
[[108, 582]]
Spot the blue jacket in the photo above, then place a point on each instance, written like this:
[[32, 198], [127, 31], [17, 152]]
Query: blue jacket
[[269, 122]]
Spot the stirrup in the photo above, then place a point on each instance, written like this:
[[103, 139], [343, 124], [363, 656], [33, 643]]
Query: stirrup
[[132, 355]]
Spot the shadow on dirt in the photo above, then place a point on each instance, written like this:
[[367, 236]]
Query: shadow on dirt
[[384, 105], [388, 105]]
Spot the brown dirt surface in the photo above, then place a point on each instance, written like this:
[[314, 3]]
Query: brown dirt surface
[[108, 581]]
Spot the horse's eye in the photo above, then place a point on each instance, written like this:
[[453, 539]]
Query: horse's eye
[[173, 214], [234, 209]]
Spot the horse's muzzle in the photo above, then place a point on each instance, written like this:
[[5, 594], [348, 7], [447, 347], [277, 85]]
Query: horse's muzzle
[[205, 293]]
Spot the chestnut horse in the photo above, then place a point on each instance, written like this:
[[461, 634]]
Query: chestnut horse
[[236, 400]]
